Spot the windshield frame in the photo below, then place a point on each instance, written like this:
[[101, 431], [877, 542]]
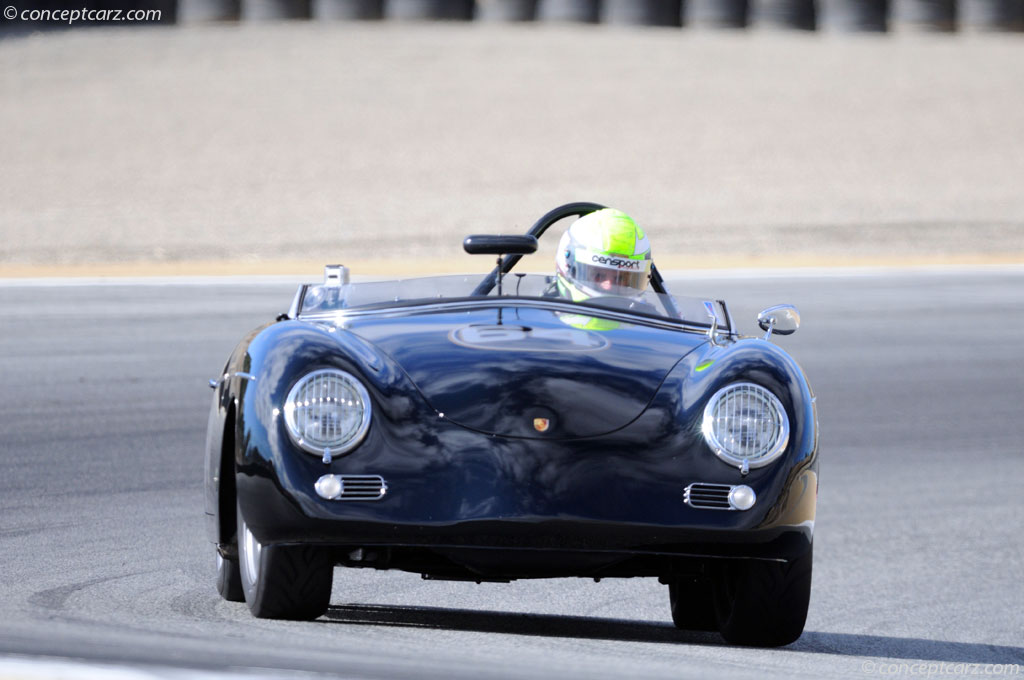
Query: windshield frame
[[397, 305]]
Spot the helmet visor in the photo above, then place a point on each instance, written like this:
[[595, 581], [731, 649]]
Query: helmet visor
[[610, 275]]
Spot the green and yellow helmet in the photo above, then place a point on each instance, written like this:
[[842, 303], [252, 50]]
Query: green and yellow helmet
[[603, 253]]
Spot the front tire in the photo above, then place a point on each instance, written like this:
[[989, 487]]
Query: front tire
[[692, 601], [283, 582], [764, 604], [229, 580]]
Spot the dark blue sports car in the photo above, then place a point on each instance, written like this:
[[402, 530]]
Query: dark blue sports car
[[484, 428]]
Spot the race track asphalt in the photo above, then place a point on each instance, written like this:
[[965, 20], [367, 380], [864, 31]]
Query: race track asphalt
[[103, 555]]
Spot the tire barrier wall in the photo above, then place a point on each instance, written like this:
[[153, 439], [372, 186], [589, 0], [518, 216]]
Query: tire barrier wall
[[717, 13], [798, 14], [825, 15], [347, 9]]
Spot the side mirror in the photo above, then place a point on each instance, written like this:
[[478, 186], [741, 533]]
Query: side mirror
[[491, 244], [781, 319]]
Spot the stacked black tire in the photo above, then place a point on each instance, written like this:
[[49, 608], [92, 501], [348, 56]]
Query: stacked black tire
[[826, 15]]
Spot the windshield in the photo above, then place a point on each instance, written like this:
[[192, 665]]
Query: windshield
[[321, 300]]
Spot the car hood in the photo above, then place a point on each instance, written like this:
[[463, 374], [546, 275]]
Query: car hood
[[537, 373]]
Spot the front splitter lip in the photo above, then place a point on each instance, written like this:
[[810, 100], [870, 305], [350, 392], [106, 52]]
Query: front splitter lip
[[716, 552], [551, 536]]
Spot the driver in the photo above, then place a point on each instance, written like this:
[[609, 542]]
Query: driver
[[603, 253]]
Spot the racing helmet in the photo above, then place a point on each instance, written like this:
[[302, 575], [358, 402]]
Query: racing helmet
[[603, 253]]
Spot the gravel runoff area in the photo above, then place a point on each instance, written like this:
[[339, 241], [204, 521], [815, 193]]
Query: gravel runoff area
[[262, 144]]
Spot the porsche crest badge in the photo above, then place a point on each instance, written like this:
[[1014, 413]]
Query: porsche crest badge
[[541, 424]]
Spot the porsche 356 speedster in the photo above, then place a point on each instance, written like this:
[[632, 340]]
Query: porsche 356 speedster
[[478, 428]]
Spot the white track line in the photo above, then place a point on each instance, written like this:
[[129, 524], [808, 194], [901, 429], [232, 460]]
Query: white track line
[[845, 272], [678, 274], [86, 281], [29, 668]]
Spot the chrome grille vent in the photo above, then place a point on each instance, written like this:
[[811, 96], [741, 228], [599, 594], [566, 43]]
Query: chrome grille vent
[[708, 496], [362, 487]]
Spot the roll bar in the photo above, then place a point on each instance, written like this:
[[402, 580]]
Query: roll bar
[[578, 209]]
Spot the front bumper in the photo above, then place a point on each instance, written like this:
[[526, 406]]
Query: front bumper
[[509, 509]]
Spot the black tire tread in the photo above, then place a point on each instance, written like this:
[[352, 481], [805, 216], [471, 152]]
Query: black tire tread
[[765, 605], [294, 581], [229, 581], [295, 584], [692, 601]]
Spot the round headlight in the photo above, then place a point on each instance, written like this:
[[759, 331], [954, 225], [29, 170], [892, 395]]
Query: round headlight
[[745, 424], [327, 409]]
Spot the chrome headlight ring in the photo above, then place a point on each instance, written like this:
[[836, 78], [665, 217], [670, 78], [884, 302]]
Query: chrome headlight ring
[[327, 412], [746, 425]]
